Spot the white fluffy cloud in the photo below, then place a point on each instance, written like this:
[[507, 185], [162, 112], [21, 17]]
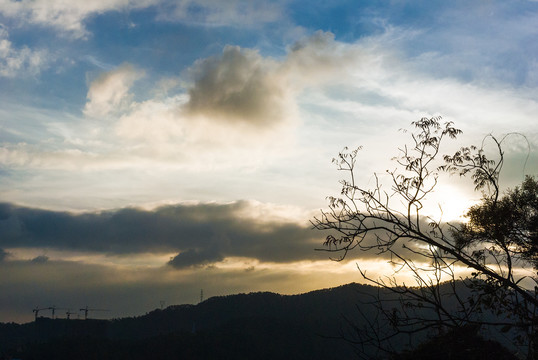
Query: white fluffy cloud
[[243, 92], [109, 93], [233, 116], [15, 61], [242, 86]]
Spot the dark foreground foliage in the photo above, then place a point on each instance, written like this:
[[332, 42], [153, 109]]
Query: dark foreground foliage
[[498, 244], [459, 344]]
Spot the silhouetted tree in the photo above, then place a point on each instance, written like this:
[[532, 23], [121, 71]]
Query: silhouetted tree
[[500, 236]]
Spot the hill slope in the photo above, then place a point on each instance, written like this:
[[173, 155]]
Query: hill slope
[[243, 326]]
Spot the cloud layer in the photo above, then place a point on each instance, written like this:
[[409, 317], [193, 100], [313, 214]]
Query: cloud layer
[[70, 17], [201, 234], [242, 111]]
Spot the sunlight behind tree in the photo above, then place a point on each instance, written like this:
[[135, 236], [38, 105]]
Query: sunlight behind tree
[[391, 220]]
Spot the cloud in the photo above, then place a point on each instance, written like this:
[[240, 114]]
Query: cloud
[[334, 91], [192, 257], [152, 122], [19, 61], [40, 259], [222, 13], [319, 60], [3, 255], [238, 86], [69, 18], [486, 53], [242, 86], [239, 94], [200, 233], [110, 91], [66, 17]]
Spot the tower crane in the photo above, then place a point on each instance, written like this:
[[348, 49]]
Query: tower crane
[[54, 308], [86, 310], [37, 310], [69, 313]]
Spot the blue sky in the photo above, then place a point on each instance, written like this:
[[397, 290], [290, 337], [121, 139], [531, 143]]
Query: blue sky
[[124, 114]]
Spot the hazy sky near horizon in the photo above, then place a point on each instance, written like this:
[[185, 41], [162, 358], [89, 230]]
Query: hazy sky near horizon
[[152, 148]]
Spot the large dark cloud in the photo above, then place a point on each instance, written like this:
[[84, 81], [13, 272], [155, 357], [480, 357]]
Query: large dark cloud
[[200, 233]]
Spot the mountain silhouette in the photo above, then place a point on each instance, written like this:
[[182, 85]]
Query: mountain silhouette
[[260, 325]]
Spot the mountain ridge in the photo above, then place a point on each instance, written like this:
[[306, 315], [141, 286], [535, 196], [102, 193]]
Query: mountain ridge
[[262, 325]]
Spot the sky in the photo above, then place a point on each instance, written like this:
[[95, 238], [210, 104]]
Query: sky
[[150, 149]]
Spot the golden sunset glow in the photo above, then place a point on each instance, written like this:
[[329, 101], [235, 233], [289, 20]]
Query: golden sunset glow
[[151, 149]]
